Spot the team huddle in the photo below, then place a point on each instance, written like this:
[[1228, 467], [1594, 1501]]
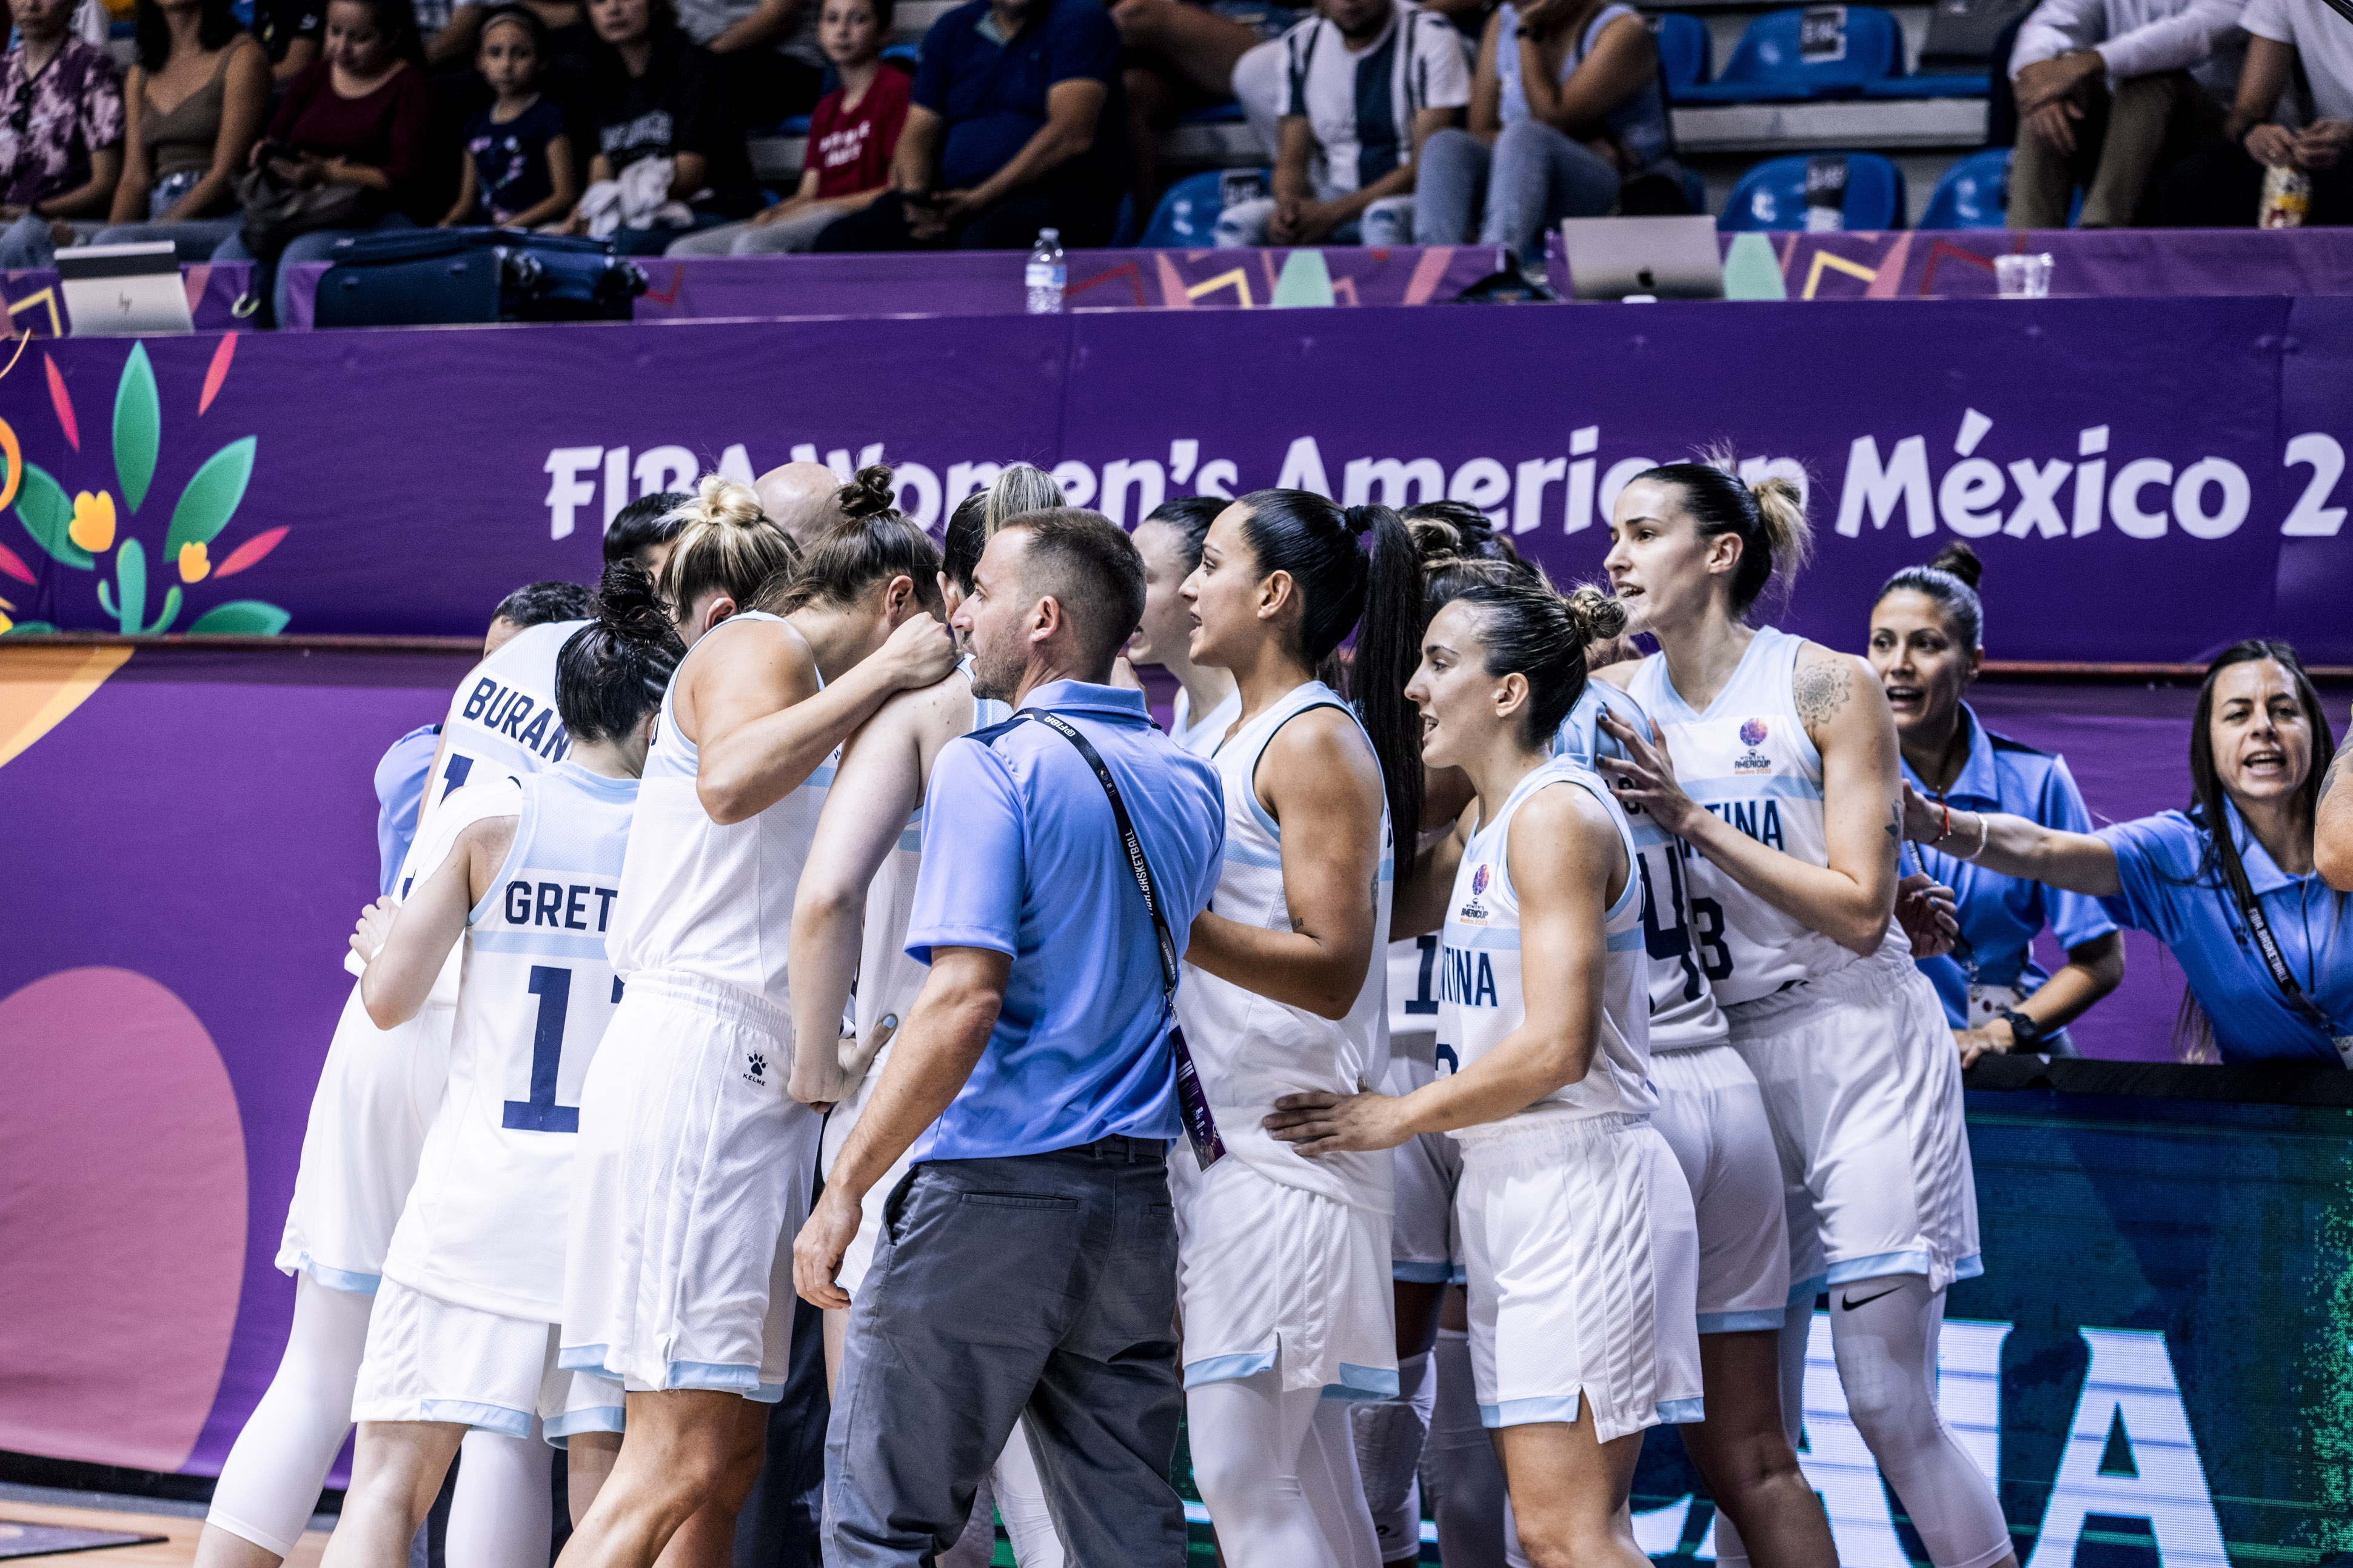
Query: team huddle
[[1431, 1064]]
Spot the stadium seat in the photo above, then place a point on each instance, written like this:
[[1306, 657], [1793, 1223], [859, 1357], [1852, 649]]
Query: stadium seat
[[1974, 192], [1228, 113], [1773, 193], [1943, 85], [1686, 53], [1813, 51], [1187, 217]]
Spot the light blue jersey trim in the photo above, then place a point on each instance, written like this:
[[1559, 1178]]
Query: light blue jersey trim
[[541, 944], [1242, 856], [1803, 1291], [911, 841], [1742, 1322], [1423, 1273], [483, 1417], [589, 1418], [1363, 1383], [820, 776], [1912, 1261], [1225, 1368], [1491, 937], [1682, 1411], [719, 1377], [1785, 785], [1625, 941], [1561, 1407], [583, 1358], [338, 1279], [1968, 1267]]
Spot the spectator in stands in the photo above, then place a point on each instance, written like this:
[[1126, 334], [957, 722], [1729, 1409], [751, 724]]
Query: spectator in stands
[[1926, 644], [644, 530], [767, 53], [195, 102], [2282, 36], [289, 32], [660, 107], [2259, 749], [1016, 126], [1181, 55], [1371, 82], [518, 170], [61, 134], [846, 160], [356, 117], [570, 39], [1567, 120], [2109, 92]]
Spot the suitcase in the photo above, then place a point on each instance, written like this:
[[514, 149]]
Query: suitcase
[[446, 277]]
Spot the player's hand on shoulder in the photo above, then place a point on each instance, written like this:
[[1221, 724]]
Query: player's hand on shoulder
[[922, 651], [374, 925]]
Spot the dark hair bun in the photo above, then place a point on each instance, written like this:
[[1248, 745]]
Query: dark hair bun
[[626, 605], [870, 493], [1959, 560]]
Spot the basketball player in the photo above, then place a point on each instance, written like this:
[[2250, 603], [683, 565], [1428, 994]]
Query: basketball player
[[1170, 542], [694, 1164], [377, 1093], [1792, 815], [1576, 1225], [1283, 1277], [463, 1335]]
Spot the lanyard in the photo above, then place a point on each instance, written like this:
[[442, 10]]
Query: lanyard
[[1200, 1126], [2250, 910]]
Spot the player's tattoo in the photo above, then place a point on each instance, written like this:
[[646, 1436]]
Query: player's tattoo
[[1821, 690], [2328, 779]]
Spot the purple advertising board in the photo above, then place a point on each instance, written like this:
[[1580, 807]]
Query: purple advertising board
[[2147, 481]]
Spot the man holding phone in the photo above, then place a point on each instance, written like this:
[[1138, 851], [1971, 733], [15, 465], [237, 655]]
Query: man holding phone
[[1015, 127]]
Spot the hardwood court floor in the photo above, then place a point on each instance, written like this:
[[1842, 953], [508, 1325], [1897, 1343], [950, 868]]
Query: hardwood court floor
[[178, 1551]]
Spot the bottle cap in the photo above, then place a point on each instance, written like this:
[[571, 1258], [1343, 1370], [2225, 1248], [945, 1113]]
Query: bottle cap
[[1052, 234]]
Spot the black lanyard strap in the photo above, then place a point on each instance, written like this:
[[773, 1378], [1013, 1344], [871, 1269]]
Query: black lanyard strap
[[2250, 910]]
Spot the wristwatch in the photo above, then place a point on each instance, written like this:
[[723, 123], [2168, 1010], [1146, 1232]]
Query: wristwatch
[[2024, 1031]]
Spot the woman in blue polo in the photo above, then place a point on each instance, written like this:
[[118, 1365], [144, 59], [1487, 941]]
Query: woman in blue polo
[[1926, 644], [2267, 947]]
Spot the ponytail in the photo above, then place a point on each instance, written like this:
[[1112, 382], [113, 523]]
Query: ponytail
[[1373, 589], [612, 672], [1021, 488], [1769, 517], [873, 543], [726, 544], [1530, 629]]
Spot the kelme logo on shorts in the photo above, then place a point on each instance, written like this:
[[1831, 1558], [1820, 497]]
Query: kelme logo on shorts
[[756, 1069]]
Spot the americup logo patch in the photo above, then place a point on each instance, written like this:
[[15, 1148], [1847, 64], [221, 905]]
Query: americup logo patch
[[1752, 735], [1479, 881]]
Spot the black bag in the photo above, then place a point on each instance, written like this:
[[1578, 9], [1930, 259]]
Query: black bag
[[443, 277], [277, 210]]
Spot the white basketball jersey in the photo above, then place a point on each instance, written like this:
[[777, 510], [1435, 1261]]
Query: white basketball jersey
[[485, 1225], [1202, 738], [1413, 986], [702, 899], [1249, 1049], [1480, 998], [1683, 1013], [1748, 760]]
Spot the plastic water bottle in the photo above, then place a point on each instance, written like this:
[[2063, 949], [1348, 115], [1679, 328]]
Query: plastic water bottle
[[1047, 274]]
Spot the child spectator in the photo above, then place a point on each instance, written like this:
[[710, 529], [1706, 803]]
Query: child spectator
[[518, 171], [845, 163], [61, 134], [2281, 36], [1567, 120], [195, 102], [1370, 82], [356, 117], [1016, 126], [659, 107]]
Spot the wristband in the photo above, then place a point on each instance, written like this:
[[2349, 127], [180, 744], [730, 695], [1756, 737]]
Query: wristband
[[1984, 829], [1947, 830]]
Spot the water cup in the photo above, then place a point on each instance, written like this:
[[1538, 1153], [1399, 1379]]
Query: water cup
[[2024, 277]]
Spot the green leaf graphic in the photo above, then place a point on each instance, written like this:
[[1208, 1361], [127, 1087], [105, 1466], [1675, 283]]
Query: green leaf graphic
[[138, 426], [47, 513], [211, 497], [163, 619], [131, 571], [30, 628], [242, 617]]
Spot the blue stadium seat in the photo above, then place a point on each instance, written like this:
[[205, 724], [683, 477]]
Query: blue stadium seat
[[1215, 114], [1929, 86], [1686, 53], [908, 54], [1974, 192], [1773, 193], [1813, 51], [1186, 218]]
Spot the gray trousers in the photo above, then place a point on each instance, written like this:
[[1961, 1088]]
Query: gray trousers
[[1043, 1286]]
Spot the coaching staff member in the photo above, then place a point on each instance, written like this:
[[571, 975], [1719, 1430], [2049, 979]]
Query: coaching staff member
[[1028, 1262]]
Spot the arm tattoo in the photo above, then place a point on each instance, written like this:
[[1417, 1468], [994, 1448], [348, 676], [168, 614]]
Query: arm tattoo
[[1822, 691], [2328, 779]]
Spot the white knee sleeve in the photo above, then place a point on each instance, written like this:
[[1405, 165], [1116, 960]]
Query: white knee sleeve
[[1389, 1434], [1886, 1348], [1459, 1472], [270, 1483], [1249, 1439], [1334, 1487], [500, 1514], [1021, 1500]]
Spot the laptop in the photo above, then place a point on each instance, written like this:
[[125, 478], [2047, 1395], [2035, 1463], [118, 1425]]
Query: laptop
[[118, 290], [1657, 257]]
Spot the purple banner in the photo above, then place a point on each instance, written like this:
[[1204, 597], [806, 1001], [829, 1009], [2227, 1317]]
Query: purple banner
[[36, 306], [2145, 485]]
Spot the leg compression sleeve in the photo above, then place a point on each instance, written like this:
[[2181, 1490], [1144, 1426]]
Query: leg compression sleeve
[[1389, 1434], [271, 1481], [503, 1508], [1248, 1438], [1334, 1490], [1021, 1499]]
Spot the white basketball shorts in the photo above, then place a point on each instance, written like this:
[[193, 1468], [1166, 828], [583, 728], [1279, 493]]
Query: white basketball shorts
[[692, 1178], [1713, 1116], [377, 1093], [1863, 1087], [1428, 1166], [430, 1360], [1584, 1261]]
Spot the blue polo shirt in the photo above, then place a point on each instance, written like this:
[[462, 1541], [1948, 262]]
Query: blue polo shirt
[[2156, 858], [993, 94], [1022, 856], [2001, 916], [399, 790]]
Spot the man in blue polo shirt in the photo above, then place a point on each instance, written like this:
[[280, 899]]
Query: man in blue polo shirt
[[1017, 125], [1028, 1263]]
